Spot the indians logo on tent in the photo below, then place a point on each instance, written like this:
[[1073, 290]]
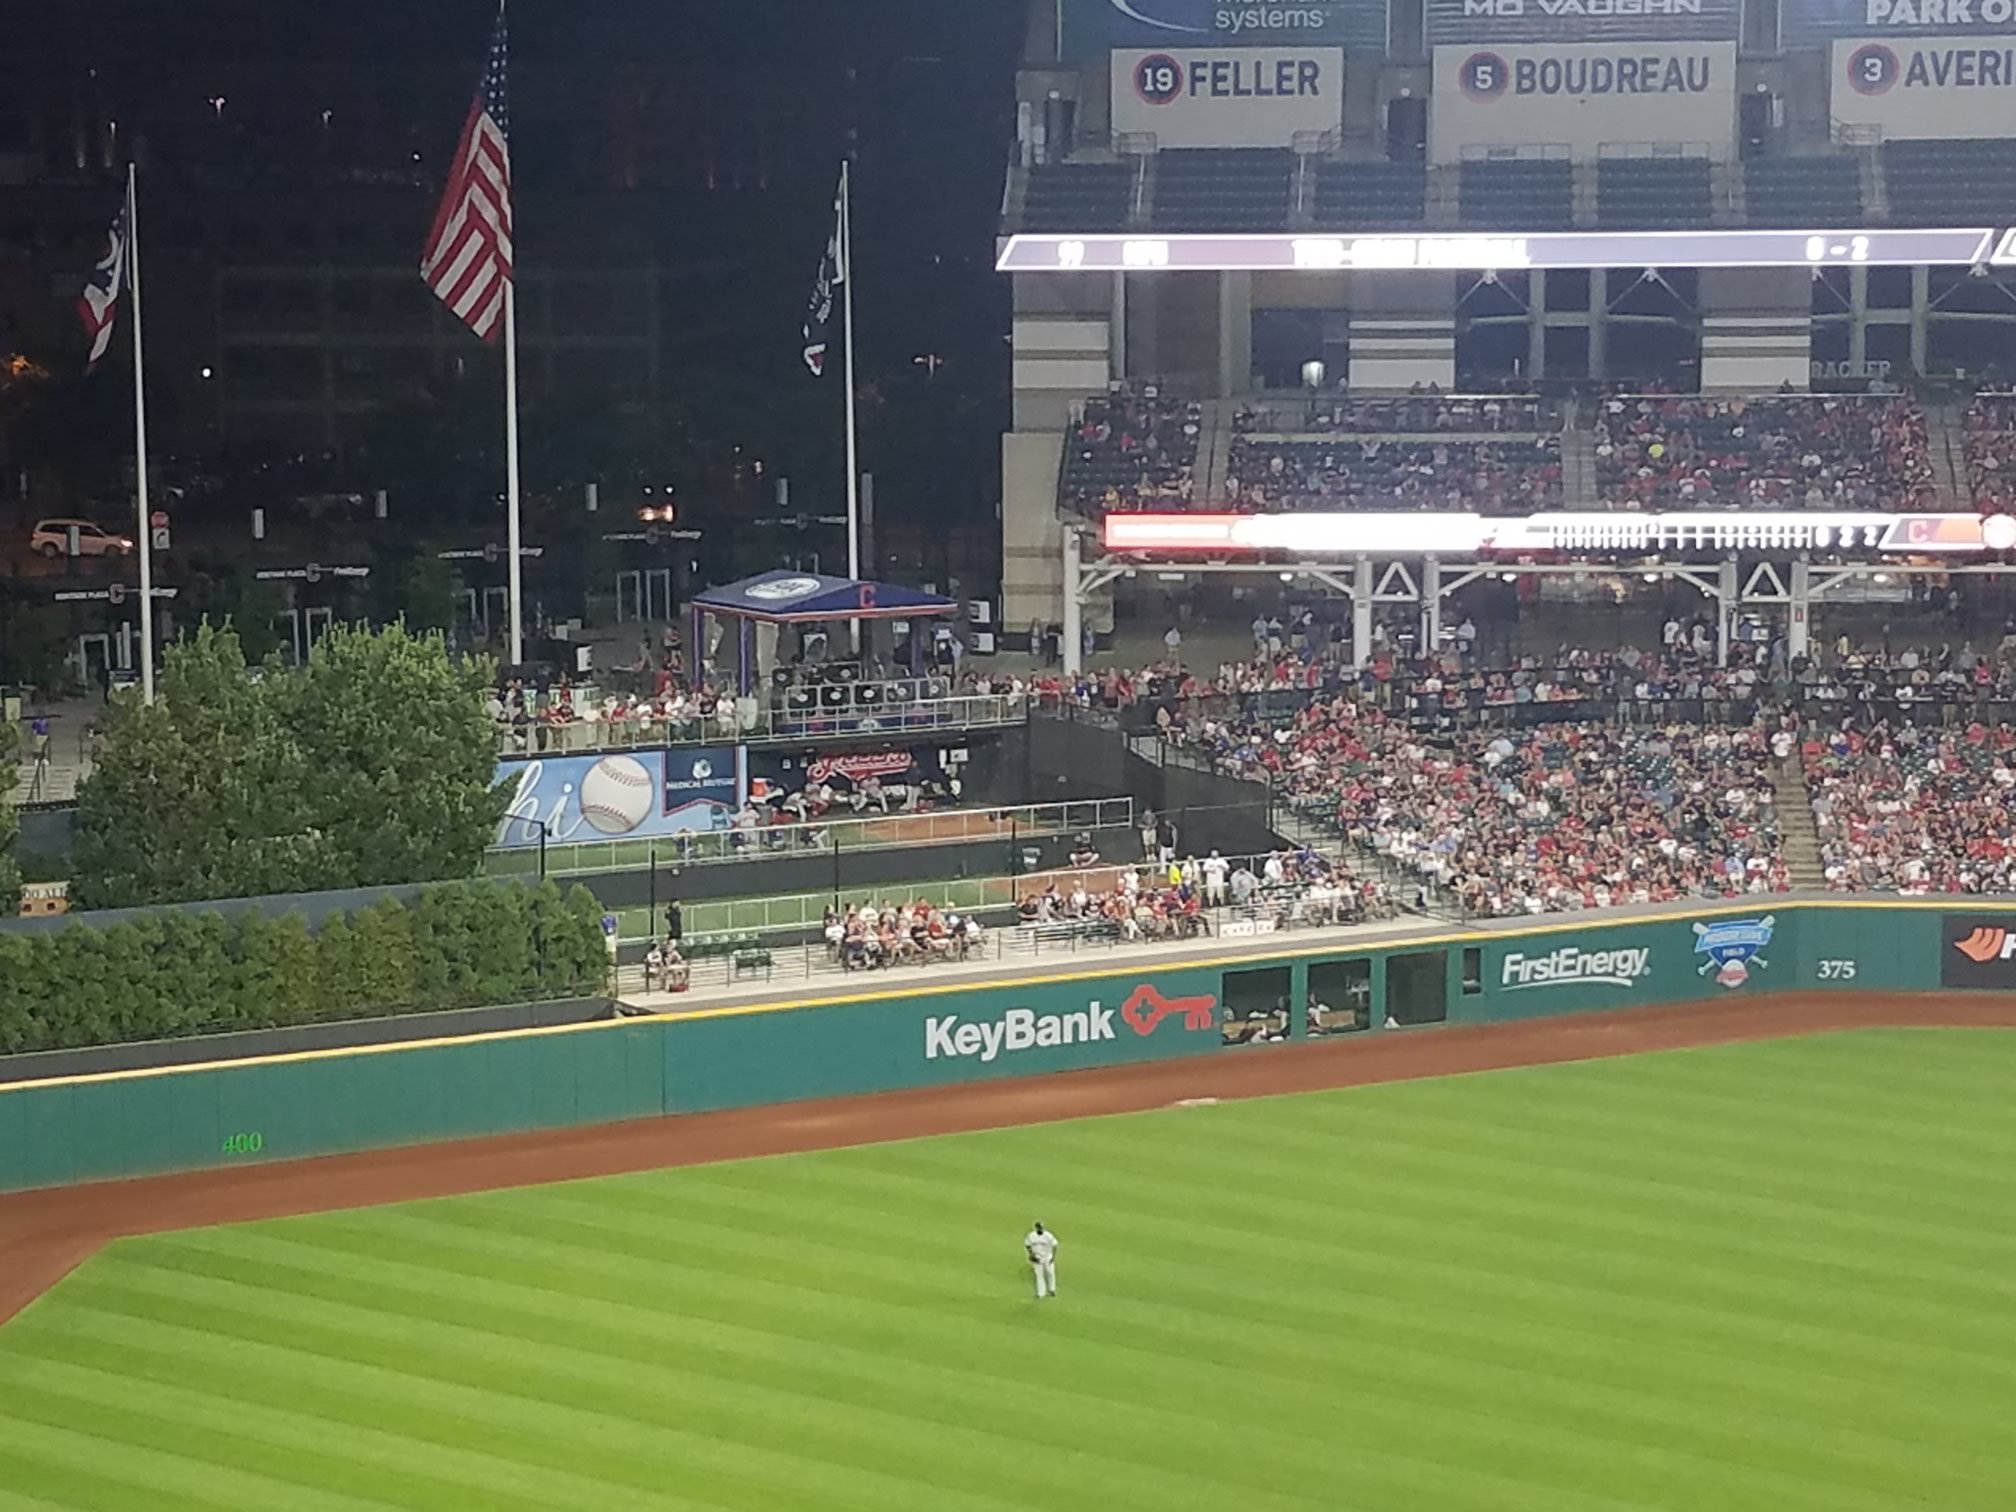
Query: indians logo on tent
[[1732, 948]]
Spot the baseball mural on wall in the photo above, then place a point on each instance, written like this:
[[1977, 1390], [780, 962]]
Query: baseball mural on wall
[[634, 795]]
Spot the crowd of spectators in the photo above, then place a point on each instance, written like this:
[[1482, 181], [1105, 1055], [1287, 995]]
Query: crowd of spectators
[[1819, 451], [1165, 898], [868, 936], [1132, 449], [1420, 413], [1988, 437], [1915, 810], [1491, 477]]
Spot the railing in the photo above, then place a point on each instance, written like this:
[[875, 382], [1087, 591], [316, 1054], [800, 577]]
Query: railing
[[857, 715], [876, 831], [1281, 910]]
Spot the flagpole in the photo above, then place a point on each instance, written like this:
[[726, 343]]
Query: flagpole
[[146, 534], [847, 376], [511, 467]]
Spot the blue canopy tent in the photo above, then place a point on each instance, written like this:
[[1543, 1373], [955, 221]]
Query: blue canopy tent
[[800, 598]]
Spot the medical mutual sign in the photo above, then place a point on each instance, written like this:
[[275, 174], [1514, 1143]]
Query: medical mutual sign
[[1582, 97], [1910, 87], [1228, 97]]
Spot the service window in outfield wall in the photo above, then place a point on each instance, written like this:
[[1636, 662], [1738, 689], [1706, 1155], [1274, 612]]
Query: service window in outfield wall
[[1257, 1005], [1340, 997], [1417, 987]]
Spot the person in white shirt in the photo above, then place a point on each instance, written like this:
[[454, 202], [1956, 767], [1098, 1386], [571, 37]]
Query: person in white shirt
[[1041, 1246], [1216, 870]]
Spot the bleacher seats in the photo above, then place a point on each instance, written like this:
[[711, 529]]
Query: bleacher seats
[[1804, 191], [1968, 182], [1132, 450], [1649, 193], [1078, 197], [1518, 194], [1373, 196], [1492, 477], [1234, 189]]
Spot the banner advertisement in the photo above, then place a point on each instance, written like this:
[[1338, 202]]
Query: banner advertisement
[[1977, 950], [1582, 97], [1093, 27], [1926, 89], [774, 777], [635, 795], [1809, 22], [1451, 21], [1210, 97]]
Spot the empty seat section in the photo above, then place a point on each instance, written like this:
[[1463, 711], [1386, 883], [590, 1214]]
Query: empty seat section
[[1371, 196], [1818, 192], [1078, 197], [1518, 194], [1968, 182], [1652, 192], [1244, 189]]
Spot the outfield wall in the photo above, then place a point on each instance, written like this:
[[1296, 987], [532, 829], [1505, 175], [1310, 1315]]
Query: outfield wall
[[911, 1033]]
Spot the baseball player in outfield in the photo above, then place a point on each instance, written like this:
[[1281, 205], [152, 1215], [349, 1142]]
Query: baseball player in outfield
[[1042, 1247]]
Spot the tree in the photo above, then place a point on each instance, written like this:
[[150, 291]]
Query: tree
[[201, 794], [427, 593], [404, 756], [10, 822], [373, 764]]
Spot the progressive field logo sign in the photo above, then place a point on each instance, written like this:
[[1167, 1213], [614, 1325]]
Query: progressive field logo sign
[[948, 1036], [1733, 948], [1977, 952]]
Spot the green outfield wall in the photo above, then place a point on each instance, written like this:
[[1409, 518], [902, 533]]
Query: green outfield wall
[[145, 1122]]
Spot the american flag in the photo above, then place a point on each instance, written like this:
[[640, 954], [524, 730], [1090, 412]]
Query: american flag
[[98, 307], [467, 259], [819, 309]]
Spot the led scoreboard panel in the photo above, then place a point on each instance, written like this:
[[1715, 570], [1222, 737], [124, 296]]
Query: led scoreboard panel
[[1279, 251]]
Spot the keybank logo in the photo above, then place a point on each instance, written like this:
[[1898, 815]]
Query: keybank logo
[[949, 1037], [1571, 965]]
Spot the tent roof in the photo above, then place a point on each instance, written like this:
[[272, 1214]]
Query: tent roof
[[786, 597]]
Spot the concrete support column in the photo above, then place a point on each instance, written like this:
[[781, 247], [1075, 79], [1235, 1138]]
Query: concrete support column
[[1235, 333], [1858, 316], [1116, 328], [1074, 606], [1536, 325], [1726, 592], [1361, 611], [1799, 619], [1921, 317], [1599, 324], [1431, 605]]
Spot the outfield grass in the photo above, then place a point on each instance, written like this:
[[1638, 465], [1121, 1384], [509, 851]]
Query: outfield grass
[[1778, 1276]]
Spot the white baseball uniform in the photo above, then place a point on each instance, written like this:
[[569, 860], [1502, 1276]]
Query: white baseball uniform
[[1042, 1248]]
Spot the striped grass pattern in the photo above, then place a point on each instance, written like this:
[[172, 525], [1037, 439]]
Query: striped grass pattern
[[1779, 1276]]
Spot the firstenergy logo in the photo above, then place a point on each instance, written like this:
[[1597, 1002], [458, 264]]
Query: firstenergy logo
[[1986, 944], [946, 1037], [1571, 965]]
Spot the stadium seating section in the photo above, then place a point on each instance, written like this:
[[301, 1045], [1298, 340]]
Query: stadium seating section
[[1643, 194], [1792, 449], [1132, 451], [1078, 196], [1803, 191], [1967, 182], [1516, 477], [1223, 190], [1373, 196], [1990, 438], [1518, 194]]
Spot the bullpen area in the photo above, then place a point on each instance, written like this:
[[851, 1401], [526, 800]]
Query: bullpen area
[[1601, 1272]]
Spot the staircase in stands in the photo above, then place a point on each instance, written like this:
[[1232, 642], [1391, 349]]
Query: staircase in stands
[[1797, 832]]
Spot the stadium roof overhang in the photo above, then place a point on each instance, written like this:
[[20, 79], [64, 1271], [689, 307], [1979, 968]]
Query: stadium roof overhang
[[789, 598], [1501, 252]]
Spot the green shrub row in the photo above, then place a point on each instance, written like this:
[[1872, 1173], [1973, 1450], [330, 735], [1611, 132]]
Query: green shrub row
[[182, 972]]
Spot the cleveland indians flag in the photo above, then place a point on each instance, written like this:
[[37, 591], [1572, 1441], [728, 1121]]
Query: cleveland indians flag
[[98, 307], [467, 259], [819, 309]]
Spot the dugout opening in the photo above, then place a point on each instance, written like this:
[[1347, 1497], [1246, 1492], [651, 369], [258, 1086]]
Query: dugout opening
[[1340, 997], [1417, 987], [1256, 1005]]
